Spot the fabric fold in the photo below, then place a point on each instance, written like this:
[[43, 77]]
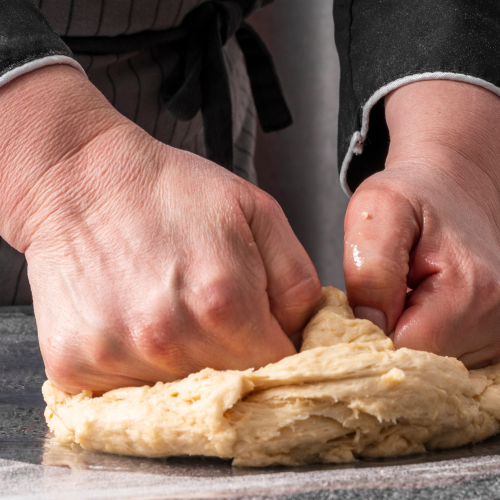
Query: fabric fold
[[200, 78]]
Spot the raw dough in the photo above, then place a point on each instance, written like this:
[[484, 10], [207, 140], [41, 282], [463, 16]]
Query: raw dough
[[347, 394]]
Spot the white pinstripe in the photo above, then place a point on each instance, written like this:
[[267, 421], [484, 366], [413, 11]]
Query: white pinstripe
[[132, 82]]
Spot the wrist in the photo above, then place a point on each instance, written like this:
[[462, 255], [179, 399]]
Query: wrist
[[47, 117], [445, 125]]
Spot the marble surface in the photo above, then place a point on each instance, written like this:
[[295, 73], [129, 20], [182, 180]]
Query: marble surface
[[33, 467]]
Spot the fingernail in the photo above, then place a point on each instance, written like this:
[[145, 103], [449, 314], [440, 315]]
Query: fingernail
[[376, 316]]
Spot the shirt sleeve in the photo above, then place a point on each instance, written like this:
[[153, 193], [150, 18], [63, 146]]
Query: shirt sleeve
[[27, 41], [385, 44]]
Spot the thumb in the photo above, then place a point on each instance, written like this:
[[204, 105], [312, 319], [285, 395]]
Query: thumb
[[381, 228], [293, 285]]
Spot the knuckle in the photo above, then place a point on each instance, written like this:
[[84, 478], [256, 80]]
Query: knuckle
[[305, 293], [64, 372], [268, 205], [215, 302], [367, 193], [72, 364], [376, 197], [165, 339], [158, 342]]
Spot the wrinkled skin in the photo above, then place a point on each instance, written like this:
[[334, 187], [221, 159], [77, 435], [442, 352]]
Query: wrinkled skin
[[431, 222], [146, 263]]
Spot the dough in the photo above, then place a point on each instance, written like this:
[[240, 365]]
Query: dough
[[347, 394]]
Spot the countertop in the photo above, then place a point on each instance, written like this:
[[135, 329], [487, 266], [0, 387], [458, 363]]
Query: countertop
[[32, 467]]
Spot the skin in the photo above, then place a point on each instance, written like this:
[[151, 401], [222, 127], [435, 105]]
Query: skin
[[146, 263], [429, 225]]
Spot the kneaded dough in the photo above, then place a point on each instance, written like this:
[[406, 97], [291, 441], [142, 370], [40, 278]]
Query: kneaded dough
[[347, 394]]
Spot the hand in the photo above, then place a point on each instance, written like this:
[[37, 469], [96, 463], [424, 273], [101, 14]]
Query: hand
[[431, 222], [146, 263]]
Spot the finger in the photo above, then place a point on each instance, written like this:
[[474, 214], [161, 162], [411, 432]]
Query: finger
[[444, 318], [103, 364], [381, 228], [233, 326], [293, 285], [376, 316]]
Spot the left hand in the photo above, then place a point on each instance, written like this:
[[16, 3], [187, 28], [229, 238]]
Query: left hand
[[146, 263], [431, 222]]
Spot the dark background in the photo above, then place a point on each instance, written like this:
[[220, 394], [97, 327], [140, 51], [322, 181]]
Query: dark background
[[298, 166]]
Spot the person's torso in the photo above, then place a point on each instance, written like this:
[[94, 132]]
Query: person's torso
[[113, 17]]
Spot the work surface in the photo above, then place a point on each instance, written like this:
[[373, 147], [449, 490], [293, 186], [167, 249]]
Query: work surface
[[32, 467]]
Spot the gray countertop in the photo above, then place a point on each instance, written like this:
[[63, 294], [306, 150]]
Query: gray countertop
[[33, 467]]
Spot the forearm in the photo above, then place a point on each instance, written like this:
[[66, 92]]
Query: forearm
[[48, 109], [454, 126], [388, 44], [46, 117]]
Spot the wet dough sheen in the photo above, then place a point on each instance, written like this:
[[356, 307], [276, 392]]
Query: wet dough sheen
[[347, 394]]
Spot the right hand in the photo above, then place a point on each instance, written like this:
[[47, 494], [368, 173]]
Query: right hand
[[146, 263], [430, 221]]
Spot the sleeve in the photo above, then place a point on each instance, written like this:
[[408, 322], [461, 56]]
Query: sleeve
[[27, 41], [385, 44]]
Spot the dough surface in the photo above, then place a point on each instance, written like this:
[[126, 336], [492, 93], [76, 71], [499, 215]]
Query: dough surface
[[347, 394]]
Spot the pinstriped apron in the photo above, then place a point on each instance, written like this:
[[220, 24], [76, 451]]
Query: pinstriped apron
[[131, 82]]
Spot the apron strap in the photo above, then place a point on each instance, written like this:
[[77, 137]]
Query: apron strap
[[200, 80]]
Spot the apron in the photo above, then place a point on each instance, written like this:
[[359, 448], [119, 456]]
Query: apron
[[131, 83]]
